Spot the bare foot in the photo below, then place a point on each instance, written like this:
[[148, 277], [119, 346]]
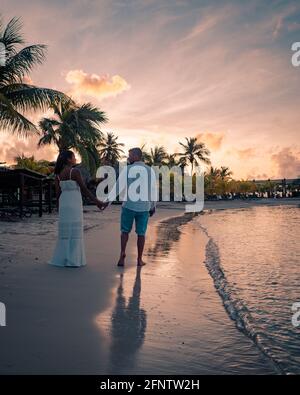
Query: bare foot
[[121, 262], [140, 262]]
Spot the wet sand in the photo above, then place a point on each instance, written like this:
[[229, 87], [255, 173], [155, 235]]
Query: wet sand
[[167, 317], [164, 318]]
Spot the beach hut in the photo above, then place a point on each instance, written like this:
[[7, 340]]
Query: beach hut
[[22, 191]]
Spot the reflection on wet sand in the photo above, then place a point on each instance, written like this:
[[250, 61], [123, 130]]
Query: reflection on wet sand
[[128, 326], [188, 331], [168, 233]]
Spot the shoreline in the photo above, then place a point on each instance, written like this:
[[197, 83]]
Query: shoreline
[[215, 271], [246, 286], [193, 335], [235, 204]]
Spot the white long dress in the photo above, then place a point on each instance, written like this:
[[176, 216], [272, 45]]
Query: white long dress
[[69, 250]]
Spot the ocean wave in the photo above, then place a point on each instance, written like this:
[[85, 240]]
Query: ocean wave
[[235, 307]]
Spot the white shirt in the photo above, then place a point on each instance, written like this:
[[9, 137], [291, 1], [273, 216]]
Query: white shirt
[[136, 187]]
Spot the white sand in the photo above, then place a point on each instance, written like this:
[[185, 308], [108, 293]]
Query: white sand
[[78, 321]]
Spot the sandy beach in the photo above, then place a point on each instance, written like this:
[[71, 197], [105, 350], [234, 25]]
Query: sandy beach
[[101, 319]]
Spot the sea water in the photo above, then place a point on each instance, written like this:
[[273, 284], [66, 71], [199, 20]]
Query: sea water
[[253, 256]]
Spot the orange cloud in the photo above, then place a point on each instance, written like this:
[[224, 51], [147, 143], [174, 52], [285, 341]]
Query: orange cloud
[[94, 85], [245, 153], [254, 176], [12, 147], [212, 140], [287, 162]]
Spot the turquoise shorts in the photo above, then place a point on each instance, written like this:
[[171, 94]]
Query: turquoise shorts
[[140, 218]]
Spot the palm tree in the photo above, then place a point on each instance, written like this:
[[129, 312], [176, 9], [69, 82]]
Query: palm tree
[[225, 173], [172, 161], [110, 150], [74, 127], [40, 166], [194, 152], [211, 179], [214, 172], [16, 96], [145, 154], [157, 156]]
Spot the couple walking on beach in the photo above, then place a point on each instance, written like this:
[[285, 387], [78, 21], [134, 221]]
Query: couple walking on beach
[[69, 250]]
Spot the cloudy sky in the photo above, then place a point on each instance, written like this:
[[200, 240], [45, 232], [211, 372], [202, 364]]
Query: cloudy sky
[[166, 69]]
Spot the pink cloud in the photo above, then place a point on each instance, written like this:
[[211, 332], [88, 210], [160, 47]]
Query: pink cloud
[[212, 140], [12, 147], [245, 153], [287, 162], [96, 86]]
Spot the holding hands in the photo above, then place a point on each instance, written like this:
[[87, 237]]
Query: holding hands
[[152, 212], [101, 205]]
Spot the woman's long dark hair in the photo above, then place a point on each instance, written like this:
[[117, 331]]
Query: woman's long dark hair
[[62, 160]]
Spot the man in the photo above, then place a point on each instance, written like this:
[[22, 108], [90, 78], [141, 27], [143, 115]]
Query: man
[[138, 182]]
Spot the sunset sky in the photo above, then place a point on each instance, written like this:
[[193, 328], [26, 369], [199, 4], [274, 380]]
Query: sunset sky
[[166, 69]]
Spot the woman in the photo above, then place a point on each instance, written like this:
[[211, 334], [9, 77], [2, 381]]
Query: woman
[[69, 250]]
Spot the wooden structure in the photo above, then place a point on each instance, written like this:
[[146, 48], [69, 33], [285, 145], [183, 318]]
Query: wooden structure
[[25, 190]]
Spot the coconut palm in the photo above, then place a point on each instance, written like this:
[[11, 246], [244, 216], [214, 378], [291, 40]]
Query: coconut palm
[[74, 127], [110, 150], [145, 154], [194, 152], [214, 172], [158, 156], [210, 180], [172, 161], [16, 96], [30, 163], [225, 173]]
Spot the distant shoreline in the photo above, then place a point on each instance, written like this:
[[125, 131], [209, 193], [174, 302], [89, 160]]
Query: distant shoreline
[[234, 204]]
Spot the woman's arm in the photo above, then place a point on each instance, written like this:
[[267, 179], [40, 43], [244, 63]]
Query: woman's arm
[[76, 176], [57, 191]]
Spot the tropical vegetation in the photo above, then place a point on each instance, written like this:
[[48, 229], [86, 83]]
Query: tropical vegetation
[[17, 97], [75, 127], [110, 150], [40, 166], [194, 152]]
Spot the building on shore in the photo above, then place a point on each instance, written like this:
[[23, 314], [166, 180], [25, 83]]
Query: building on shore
[[23, 192]]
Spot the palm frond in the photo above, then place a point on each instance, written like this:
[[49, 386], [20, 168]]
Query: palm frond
[[49, 135], [93, 114], [74, 127], [12, 35], [13, 121], [28, 97], [16, 98], [21, 63]]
